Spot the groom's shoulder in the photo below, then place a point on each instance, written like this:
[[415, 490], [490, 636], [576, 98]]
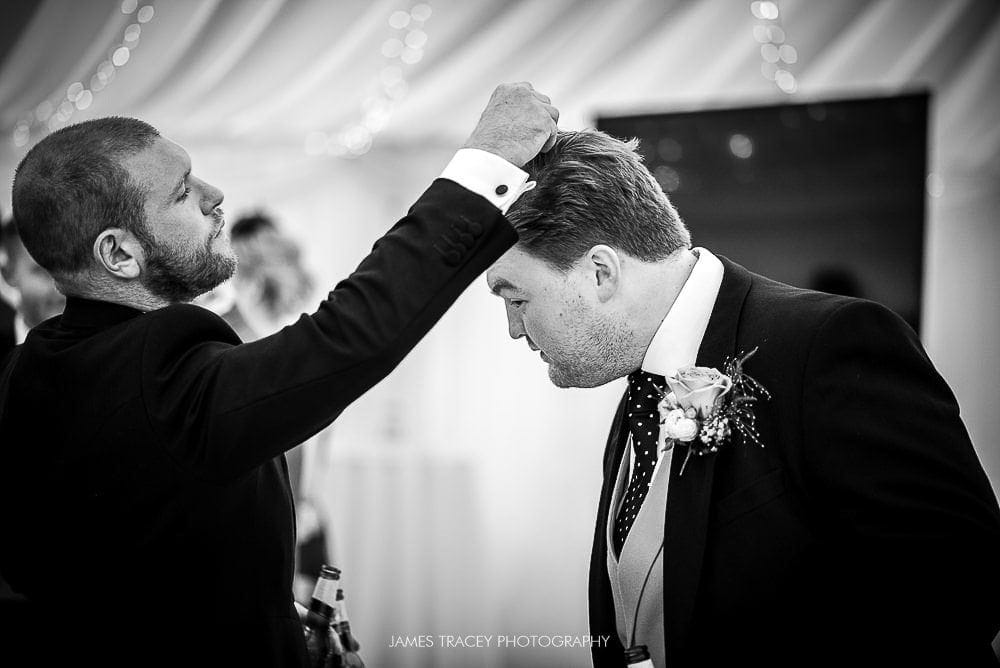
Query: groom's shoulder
[[786, 311], [791, 303]]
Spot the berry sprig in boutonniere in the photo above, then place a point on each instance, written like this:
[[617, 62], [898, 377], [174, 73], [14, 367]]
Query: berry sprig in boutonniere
[[704, 407]]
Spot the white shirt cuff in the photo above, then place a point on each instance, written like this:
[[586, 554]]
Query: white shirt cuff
[[488, 175]]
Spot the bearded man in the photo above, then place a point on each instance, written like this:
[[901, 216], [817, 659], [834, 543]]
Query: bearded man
[[832, 513], [154, 437]]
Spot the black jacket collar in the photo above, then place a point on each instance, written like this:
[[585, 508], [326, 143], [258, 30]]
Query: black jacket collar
[[81, 312], [689, 496]]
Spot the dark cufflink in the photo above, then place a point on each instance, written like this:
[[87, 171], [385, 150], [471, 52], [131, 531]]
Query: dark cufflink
[[501, 189]]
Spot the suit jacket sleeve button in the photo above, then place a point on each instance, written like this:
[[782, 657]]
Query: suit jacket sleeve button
[[501, 189]]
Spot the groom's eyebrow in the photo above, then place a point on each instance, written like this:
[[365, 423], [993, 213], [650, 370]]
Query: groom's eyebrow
[[502, 284]]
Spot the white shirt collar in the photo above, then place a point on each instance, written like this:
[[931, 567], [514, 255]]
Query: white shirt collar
[[679, 336]]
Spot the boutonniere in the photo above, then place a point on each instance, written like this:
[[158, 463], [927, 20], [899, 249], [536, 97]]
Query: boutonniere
[[704, 407]]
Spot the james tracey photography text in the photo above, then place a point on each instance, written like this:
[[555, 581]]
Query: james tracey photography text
[[487, 641]]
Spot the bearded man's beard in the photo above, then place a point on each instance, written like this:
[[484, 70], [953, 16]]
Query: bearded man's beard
[[180, 277]]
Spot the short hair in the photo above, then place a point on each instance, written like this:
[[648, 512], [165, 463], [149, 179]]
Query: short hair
[[71, 186], [250, 225], [594, 189]]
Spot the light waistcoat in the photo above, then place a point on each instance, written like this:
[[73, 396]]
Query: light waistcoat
[[637, 574]]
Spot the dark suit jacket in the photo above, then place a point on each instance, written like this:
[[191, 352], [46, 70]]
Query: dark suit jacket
[[156, 439], [864, 532]]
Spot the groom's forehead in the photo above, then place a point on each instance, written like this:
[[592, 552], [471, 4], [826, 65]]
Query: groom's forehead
[[500, 277], [511, 271]]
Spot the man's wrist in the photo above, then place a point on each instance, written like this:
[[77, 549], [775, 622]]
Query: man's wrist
[[488, 175]]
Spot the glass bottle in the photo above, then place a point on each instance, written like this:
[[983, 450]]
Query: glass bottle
[[323, 644]]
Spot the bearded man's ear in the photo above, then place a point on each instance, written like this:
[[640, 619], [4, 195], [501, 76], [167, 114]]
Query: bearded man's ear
[[119, 253]]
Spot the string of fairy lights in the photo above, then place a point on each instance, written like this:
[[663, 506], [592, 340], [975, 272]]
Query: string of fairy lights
[[402, 49], [777, 55], [58, 109]]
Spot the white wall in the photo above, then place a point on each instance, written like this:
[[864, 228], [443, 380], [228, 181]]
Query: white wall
[[961, 304]]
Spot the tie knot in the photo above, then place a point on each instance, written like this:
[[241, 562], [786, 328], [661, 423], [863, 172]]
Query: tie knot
[[645, 391]]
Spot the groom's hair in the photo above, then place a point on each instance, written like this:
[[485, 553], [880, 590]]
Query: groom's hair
[[593, 189]]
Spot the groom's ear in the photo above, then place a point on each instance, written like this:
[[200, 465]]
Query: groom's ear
[[605, 268]]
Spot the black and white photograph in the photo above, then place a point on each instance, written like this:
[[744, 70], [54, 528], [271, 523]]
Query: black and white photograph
[[499, 333]]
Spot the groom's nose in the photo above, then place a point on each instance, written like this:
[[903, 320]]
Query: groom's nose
[[515, 326]]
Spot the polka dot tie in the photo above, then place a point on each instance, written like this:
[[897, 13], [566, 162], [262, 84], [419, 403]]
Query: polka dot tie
[[643, 424]]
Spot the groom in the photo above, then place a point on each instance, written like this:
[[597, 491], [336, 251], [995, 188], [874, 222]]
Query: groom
[[860, 530]]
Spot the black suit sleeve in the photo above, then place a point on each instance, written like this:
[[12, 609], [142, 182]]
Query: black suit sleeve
[[916, 521], [222, 409]]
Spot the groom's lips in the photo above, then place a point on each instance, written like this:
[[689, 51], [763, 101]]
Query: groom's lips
[[535, 348]]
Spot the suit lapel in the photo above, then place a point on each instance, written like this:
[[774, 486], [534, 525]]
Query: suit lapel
[[614, 452], [689, 495], [613, 458], [602, 609]]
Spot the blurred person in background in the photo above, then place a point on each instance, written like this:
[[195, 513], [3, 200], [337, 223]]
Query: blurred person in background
[[154, 434], [270, 289], [850, 524], [271, 284], [32, 293], [8, 298]]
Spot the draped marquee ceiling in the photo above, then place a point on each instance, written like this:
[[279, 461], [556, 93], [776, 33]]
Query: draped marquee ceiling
[[264, 74]]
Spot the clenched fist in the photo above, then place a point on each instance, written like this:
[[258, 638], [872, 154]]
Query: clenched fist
[[517, 123]]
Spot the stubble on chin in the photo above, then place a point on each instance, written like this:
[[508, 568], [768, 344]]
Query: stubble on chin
[[566, 379], [558, 379], [181, 278], [609, 356]]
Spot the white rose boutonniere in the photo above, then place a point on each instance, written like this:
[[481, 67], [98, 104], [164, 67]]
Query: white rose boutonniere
[[704, 406], [700, 388], [677, 426]]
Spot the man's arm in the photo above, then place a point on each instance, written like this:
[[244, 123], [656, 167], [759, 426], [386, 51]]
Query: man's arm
[[915, 521], [221, 409]]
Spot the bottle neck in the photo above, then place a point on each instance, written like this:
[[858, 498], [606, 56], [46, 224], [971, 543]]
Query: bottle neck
[[341, 607], [318, 607], [324, 599], [326, 590]]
